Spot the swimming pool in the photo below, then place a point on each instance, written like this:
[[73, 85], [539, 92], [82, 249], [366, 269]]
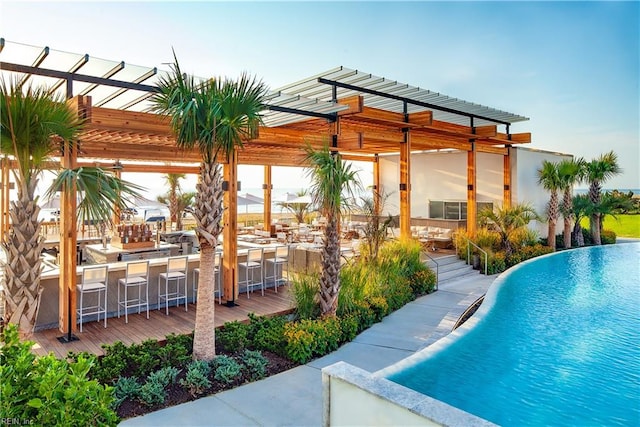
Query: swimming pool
[[556, 342]]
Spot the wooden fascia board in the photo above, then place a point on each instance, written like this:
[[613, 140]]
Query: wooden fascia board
[[422, 118], [486, 131], [355, 104], [129, 120], [491, 149]]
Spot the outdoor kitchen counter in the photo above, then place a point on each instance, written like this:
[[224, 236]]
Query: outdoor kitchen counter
[[97, 254]]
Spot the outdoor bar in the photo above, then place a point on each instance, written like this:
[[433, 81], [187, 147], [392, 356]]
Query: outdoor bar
[[346, 108]]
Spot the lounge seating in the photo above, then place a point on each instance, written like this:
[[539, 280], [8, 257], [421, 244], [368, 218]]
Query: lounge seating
[[435, 237]]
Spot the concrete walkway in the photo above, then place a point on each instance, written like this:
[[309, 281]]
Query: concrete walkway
[[294, 397]]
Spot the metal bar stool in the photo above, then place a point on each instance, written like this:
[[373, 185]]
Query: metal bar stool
[[136, 277], [175, 274], [94, 288], [253, 263], [280, 258]]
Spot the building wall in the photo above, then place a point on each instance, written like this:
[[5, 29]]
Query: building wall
[[443, 176]]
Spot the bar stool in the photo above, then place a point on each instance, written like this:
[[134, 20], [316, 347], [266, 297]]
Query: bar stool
[[94, 286], [254, 262], [136, 276], [280, 258], [176, 273], [217, 273]]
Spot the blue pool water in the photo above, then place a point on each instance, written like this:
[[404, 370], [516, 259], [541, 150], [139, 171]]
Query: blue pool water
[[556, 343]]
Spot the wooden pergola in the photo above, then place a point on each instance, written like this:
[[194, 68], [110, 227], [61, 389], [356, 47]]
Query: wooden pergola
[[359, 115]]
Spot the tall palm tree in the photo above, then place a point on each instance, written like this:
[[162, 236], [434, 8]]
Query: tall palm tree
[[581, 208], [34, 128], [550, 180], [215, 116], [173, 182], [569, 174], [596, 172], [331, 179], [508, 222]]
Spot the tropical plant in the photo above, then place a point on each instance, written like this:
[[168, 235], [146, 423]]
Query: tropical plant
[[299, 209], [581, 208], [549, 178], [596, 172], [331, 178], [171, 197], [34, 129], [215, 116], [569, 174], [508, 221], [183, 202], [375, 229]]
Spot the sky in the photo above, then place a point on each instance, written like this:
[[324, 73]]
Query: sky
[[571, 67]]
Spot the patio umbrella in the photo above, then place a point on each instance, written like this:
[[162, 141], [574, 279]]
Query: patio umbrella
[[247, 199]]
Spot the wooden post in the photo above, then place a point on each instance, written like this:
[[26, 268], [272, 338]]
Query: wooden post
[[376, 186], [471, 191], [68, 251], [116, 213], [506, 202], [230, 232], [405, 186], [267, 187], [4, 198]]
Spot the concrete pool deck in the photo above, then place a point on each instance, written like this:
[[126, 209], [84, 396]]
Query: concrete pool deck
[[294, 397]]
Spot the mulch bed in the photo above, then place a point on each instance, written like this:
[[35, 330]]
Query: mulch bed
[[176, 394]]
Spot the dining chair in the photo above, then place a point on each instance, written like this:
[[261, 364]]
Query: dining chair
[[217, 274], [136, 277], [254, 262], [279, 260], [93, 290], [175, 275]]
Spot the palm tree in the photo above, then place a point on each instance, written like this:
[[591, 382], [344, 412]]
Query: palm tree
[[581, 208], [508, 222], [173, 182], [214, 116], [569, 174], [550, 180], [299, 209], [34, 128], [596, 172], [331, 178]]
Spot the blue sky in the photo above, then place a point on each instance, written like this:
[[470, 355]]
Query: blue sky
[[571, 67]]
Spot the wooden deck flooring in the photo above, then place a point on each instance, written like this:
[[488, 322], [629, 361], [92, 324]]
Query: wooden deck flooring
[[159, 325]]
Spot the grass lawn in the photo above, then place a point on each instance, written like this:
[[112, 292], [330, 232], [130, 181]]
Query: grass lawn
[[622, 225]]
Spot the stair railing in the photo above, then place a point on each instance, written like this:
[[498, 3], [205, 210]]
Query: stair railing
[[486, 255], [437, 265]]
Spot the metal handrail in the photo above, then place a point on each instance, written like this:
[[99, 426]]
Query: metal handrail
[[486, 256], [437, 265]]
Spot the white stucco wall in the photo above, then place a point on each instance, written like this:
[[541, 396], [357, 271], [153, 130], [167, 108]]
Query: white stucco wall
[[525, 163]]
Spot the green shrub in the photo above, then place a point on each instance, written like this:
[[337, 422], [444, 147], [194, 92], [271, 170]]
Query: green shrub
[[143, 358], [422, 282], [306, 288], [379, 307], [233, 336], [310, 338], [397, 291], [608, 237], [176, 351], [226, 369], [350, 325], [267, 333], [152, 393], [197, 378], [126, 388], [354, 279], [112, 364], [496, 263], [526, 252], [164, 376], [362, 313], [49, 391], [256, 364], [486, 239]]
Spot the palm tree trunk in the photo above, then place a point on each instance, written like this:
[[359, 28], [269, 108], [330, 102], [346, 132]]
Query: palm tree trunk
[[22, 290], [553, 219], [208, 216], [567, 216], [594, 223], [330, 280]]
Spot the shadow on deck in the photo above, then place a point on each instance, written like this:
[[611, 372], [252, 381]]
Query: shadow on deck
[[159, 325]]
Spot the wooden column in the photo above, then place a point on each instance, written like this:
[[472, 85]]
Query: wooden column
[[376, 185], [230, 232], [471, 191], [4, 198], [267, 187], [506, 202], [405, 186], [68, 251]]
